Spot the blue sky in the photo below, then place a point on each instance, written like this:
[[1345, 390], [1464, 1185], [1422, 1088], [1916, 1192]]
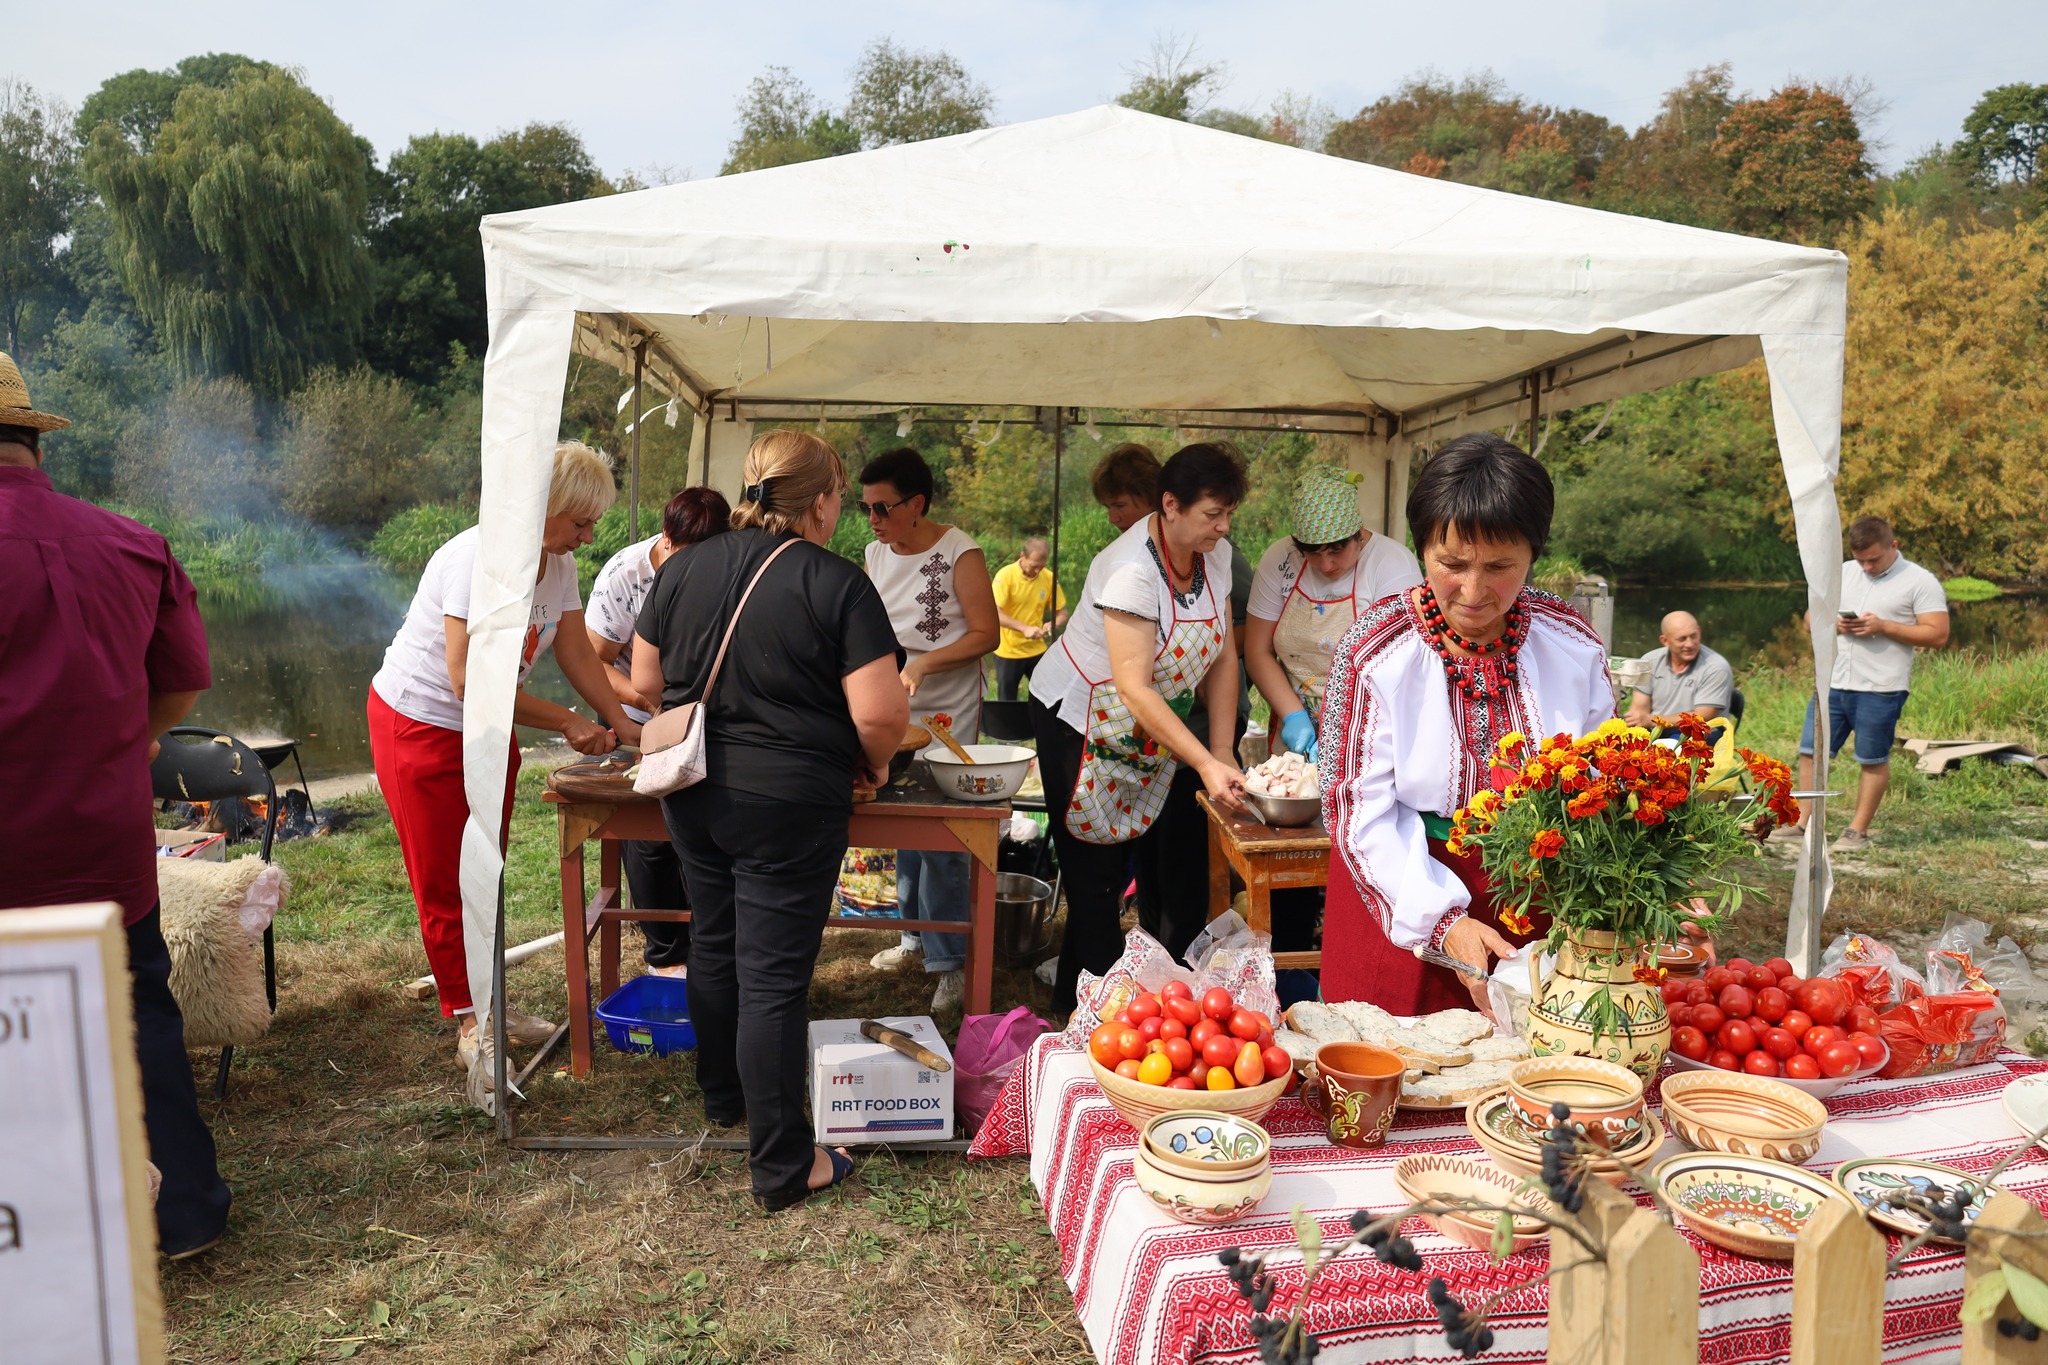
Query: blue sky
[[654, 84]]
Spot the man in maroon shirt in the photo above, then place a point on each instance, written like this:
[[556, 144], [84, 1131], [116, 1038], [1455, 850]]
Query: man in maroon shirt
[[101, 651]]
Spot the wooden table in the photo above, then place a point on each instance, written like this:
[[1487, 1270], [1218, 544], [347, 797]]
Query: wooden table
[[1268, 858], [897, 818]]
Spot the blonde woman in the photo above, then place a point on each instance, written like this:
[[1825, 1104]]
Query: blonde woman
[[416, 722], [808, 699]]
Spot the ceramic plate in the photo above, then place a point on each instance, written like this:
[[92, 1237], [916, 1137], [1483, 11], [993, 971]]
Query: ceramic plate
[[1497, 1115], [2026, 1104], [1869, 1180], [1747, 1205]]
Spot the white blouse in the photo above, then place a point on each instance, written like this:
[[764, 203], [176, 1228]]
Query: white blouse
[[925, 612], [1398, 741]]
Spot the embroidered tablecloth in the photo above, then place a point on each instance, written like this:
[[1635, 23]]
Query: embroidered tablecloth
[[1149, 1290]]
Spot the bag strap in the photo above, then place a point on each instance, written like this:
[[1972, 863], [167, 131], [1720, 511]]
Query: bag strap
[[704, 697]]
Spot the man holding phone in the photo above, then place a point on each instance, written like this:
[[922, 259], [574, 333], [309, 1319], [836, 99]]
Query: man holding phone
[[1890, 608]]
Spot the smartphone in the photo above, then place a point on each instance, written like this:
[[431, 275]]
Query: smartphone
[[1846, 615]]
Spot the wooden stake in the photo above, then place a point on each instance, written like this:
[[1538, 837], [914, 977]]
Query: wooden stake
[[1838, 1289], [1653, 1294], [1982, 1345], [1578, 1296]]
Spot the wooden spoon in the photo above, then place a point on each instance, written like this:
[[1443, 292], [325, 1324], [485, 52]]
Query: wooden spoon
[[945, 734]]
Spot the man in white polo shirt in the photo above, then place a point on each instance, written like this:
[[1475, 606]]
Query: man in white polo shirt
[[1890, 607], [1685, 676]]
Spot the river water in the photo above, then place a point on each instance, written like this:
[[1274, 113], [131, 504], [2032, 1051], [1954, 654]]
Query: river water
[[293, 656]]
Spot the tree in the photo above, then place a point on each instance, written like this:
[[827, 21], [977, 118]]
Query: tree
[[781, 123], [1171, 84], [96, 371], [557, 162], [239, 230], [1796, 164], [904, 96], [352, 450], [1466, 125], [40, 190], [2006, 135], [140, 102], [1539, 162], [197, 455], [1668, 168]]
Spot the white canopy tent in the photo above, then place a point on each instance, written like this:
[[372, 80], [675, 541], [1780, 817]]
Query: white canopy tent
[[1110, 259]]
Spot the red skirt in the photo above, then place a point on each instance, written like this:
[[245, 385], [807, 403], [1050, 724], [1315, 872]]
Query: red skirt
[[1361, 963]]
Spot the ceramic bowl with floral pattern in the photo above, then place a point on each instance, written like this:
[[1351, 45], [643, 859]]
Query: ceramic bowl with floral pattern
[[1206, 1142], [1745, 1204]]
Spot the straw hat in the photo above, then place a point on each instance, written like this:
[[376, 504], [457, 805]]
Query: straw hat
[[14, 408]]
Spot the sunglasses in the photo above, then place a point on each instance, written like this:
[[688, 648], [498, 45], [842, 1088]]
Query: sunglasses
[[1304, 548], [877, 510]]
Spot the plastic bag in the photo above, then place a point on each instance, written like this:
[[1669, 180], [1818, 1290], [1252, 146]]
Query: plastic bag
[[991, 1046], [1226, 954], [1507, 988], [1941, 1033], [1873, 973], [1963, 959]]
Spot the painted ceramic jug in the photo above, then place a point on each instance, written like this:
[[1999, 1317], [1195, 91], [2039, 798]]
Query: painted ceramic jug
[[1593, 1005]]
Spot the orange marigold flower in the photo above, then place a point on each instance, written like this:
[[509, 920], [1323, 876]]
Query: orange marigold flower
[[1516, 923], [1548, 843], [1651, 975], [1649, 813]]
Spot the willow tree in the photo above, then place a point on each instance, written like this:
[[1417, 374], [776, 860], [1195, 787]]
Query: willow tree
[[239, 229]]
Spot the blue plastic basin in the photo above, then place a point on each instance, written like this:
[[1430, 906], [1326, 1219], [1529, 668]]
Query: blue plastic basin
[[649, 1014]]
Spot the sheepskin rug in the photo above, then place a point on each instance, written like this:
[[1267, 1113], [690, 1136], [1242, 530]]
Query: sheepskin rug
[[216, 959]]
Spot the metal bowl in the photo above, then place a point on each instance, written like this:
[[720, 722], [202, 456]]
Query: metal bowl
[[995, 775], [1285, 812], [1023, 917]]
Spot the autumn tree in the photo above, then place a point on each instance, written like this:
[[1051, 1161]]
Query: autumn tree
[[1478, 132], [1796, 163], [1668, 168]]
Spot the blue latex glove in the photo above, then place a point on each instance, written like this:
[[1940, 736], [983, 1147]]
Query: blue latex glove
[[1298, 733]]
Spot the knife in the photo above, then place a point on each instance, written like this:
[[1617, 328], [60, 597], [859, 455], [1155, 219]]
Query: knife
[[905, 1044]]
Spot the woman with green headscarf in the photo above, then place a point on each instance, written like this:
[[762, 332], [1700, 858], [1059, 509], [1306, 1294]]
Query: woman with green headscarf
[[1307, 590]]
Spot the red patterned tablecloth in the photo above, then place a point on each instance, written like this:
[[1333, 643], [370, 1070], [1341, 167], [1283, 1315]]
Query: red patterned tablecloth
[[1149, 1290]]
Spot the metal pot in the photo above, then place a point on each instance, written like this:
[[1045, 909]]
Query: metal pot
[[1023, 917]]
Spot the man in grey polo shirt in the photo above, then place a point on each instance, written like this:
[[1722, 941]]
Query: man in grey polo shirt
[[1684, 675], [1890, 608]]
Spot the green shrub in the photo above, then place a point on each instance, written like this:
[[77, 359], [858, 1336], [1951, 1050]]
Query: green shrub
[[1557, 573], [352, 450], [408, 540], [1971, 590]]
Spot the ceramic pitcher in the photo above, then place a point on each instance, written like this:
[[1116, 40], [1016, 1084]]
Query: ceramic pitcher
[[1564, 1005]]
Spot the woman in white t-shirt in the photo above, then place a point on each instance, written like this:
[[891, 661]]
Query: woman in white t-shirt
[[1109, 705], [415, 711], [934, 580]]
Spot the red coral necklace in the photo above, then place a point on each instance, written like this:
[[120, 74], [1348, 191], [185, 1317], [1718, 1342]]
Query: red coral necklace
[[1491, 669]]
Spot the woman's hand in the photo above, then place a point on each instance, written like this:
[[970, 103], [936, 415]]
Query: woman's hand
[[1470, 941], [628, 731], [1701, 939], [913, 674], [1225, 786], [587, 737]]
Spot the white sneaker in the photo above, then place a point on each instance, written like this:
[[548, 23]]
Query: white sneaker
[[1048, 971], [889, 959], [476, 1053], [952, 991], [526, 1030]]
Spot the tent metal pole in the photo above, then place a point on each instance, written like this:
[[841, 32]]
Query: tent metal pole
[[633, 479]]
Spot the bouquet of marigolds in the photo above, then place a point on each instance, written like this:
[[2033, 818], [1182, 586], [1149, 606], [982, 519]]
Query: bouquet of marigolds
[[1614, 831]]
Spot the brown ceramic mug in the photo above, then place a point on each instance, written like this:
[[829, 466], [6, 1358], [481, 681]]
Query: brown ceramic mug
[[1354, 1088]]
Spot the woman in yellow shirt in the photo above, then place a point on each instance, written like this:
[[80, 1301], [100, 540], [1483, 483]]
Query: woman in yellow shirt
[[1025, 595]]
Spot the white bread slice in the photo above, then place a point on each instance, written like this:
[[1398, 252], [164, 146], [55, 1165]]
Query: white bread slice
[[1417, 1046], [1299, 1047], [1370, 1020], [1321, 1023], [1499, 1049], [1459, 1084], [1456, 1027]]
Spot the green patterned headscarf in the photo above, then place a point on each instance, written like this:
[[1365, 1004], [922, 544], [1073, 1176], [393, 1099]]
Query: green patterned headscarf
[[1326, 506]]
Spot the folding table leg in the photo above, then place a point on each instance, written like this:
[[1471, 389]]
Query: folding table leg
[[981, 937], [576, 959]]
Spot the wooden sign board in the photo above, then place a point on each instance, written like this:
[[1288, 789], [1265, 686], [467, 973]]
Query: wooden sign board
[[78, 1280]]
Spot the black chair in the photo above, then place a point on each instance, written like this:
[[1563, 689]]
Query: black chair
[[198, 764], [1009, 722], [1735, 705]]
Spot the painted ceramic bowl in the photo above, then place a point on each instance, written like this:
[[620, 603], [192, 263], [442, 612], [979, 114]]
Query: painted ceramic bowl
[[1206, 1142], [1872, 1180], [1433, 1176], [1493, 1124], [1140, 1103], [1744, 1204], [1217, 1197], [1682, 960], [1819, 1090], [1726, 1111], [1605, 1097]]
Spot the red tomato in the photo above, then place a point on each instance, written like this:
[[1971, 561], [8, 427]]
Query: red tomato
[[1170, 1027], [1756, 978], [1708, 1019], [1149, 1026], [1870, 1050], [1250, 1067], [1180, 1053], [1154, 1048], [1277, 1062], [1246, 1024], [1128, 1068], [1265, 1038], [1698, 993], [1720, 978], [1680, 1015], [1779, 1043], [1220, 1050], [1862, 1019], [1183, 1009], [1772, 1004], [1121, 1017], [1218, 1005], [1790, 985], [1102, 1046], [1838, 1059], [1130, 1043], [1199, 1073], [1690, 1044], [1723, 1059], [1177, 990], [1738, 964], [1674, 989], [1760, 1064], [1818, 1037], [1202, 1031], [1736, 1001], [1738, 1037], [1795, 1023], [1780, 967], [1824, 999], [1143, 1008], [1182, 1083], [1801, 1067]]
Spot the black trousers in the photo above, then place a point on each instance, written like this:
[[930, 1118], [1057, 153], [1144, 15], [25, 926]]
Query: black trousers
[[654, 876], [760, 875], [1011, 673], [192, 1207], [1170, 861]]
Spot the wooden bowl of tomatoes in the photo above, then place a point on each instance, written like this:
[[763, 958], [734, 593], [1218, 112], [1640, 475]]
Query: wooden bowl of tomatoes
[[1762, 1019], [1173, 1051]]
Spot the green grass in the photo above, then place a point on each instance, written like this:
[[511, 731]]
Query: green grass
[[407, 541], [1971, 590], [1955, 696], [223, 554]]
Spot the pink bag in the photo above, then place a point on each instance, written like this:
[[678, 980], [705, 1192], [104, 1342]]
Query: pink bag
[[990, 1047]]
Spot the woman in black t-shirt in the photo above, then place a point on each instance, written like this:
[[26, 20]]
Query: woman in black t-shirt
[[808, 698]]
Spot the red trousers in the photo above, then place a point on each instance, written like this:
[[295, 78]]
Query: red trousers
[[419, 770]]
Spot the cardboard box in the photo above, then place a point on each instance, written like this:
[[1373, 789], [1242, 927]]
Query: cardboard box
[[862, 1091], [192, 843]]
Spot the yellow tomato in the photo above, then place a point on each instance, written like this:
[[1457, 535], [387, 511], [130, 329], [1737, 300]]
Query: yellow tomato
[[1221, 1079], [1155, 1069]]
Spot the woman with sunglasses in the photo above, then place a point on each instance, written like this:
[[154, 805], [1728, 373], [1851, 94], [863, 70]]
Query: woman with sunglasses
[[934, 580]]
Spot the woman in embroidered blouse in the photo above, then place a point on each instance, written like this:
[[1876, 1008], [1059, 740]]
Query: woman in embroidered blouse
[[1422, 686]]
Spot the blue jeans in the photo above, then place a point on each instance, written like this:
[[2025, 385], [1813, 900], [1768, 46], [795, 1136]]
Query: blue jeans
[[934, 886], [1873, 716]]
